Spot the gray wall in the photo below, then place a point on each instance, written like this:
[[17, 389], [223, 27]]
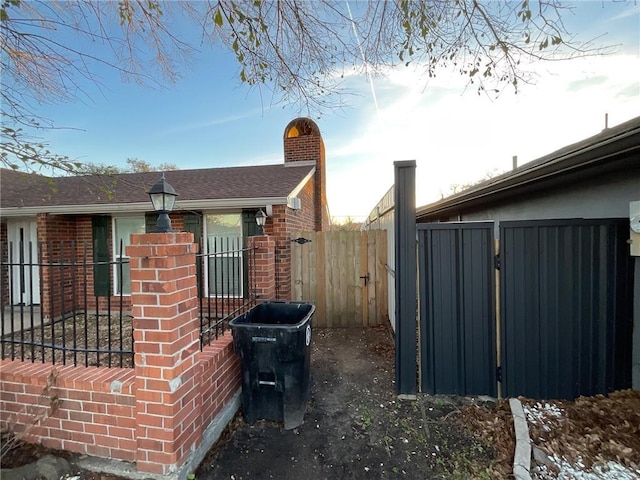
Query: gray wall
[[603, 197]]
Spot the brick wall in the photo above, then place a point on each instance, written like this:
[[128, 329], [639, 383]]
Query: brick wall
[[69, 239], [280, 225], [303, 142], [166, 339], [153, 414], [96, 412], [262, 269], [220, 377], [55, 236]]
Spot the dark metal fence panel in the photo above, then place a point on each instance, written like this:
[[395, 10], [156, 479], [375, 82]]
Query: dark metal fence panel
[[227, 265], [457, 308], [566, 307], [71, 324], [405, 279]]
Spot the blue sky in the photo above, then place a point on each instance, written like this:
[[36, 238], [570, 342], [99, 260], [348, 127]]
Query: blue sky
[[207, 119]]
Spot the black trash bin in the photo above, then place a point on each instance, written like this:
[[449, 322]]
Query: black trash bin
[[273, 340]]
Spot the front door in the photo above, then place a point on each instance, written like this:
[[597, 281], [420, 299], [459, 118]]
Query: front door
[[25, 271]]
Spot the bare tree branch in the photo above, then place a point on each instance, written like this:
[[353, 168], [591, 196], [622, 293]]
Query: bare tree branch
[[298, 50]]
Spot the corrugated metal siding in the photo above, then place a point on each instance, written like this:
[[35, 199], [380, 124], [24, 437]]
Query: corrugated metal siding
[[566, 306], [457, 308]]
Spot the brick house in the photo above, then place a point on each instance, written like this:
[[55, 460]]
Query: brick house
[[60, 213]]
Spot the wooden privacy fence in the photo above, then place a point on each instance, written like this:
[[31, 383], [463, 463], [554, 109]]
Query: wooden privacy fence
[[343, 274]]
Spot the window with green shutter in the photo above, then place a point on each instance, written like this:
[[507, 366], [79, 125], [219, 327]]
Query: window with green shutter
[[193, 224], [123, 227], [224, 242], [100, 226]]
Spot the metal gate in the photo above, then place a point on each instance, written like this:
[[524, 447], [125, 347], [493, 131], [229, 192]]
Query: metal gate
[[457, 308], [564, 323], [566, 307]]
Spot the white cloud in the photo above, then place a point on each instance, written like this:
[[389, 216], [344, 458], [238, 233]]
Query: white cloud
[[457, 138]]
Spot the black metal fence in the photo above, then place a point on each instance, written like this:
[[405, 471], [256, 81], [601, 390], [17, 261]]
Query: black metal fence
[[561, 316], [59, 305], [567, 307], [226, 284], [50, 311]]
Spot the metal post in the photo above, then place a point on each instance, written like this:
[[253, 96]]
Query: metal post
[[405, 279]]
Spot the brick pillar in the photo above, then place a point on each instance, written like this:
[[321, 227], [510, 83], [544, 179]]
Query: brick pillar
[[166, 347], [262, 271]]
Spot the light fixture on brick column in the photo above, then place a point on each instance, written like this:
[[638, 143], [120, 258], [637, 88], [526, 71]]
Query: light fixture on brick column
[[261, 218], [163, 198]]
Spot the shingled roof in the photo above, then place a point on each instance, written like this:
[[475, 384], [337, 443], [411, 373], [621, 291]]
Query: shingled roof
[[33, 193]]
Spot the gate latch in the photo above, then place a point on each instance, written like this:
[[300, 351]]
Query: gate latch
[[301, 240], [366, 278]]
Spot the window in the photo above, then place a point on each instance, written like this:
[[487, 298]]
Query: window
[[224, 245], [123, 227]]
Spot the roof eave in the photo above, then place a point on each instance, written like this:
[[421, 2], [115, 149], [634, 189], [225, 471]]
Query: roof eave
[[569, 165], [139, 207], [296, 191]]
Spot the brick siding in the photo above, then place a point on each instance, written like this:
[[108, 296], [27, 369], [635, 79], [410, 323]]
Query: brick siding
[[162, 405], [308, 146], [97, 412], [63, 289], [261, 276], [153, 414]]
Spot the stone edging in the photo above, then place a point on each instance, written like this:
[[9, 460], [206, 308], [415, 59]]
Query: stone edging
[[522, 456]]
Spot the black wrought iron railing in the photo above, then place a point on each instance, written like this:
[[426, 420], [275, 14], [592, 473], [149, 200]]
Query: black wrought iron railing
[[226, 276], [59, 305]]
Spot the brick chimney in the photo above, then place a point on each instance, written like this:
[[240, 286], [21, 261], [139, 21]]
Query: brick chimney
[[303, 143]]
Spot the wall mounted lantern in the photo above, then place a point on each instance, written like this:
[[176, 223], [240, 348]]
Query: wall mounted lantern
[[163, 198], [261, 218]]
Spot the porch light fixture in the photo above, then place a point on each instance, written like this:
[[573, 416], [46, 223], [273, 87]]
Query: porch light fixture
[[261, 218], [163, 198]]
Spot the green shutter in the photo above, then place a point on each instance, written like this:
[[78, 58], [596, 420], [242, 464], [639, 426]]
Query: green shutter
[[249, 225], [193, 223], [249, 229], [150, 220], [100, 226]]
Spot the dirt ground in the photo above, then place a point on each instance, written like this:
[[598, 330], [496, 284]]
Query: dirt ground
[[87, 332], [355, 428]]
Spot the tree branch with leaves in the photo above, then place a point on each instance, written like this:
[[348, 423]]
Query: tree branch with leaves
[[299, 51]]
